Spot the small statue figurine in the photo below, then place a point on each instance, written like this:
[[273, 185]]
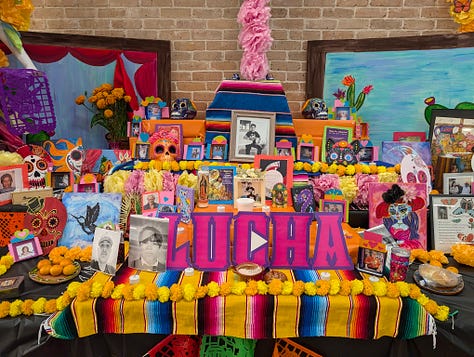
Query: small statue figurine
[[279, 195]]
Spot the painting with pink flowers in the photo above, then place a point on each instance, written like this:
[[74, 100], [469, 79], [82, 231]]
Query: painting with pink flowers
[[402, 209]]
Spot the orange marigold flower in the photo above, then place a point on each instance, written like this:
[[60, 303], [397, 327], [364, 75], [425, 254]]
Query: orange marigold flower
[[81, 99], [108, 113], [348, 80], [101, 104]]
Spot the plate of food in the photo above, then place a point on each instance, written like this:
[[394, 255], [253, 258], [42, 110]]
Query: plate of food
[[438, 280], [56, 274], [249, 271]]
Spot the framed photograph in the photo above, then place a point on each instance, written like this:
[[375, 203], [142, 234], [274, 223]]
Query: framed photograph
[[277, 169], [61, 180], [451, 221], [12, 178], [26, 249], [409, 136], [343, 113], [451, 133], [251, 188], [150, 202], [105, 248], [142, 151], [185, 202], [252, 133], [134, 128], [221, 184], [371, 261], [307, 152], [193, 151], [458, 183], [336, 134], [153, 111], [148, 243], [165, 208], [340, 206], [368, 154], [284, 148]]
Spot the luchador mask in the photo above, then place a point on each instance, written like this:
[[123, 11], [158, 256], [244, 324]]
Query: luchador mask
[[46, 219]]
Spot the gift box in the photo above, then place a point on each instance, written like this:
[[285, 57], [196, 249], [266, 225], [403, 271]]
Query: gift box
[[11, 287]]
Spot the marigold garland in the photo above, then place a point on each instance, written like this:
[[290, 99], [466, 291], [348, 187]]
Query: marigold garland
[[6, 262]]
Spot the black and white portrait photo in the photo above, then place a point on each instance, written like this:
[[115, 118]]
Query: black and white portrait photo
[[105, 249], [148, 243]]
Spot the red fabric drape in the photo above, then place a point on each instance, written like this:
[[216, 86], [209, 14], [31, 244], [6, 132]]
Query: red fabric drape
[[144, 77]]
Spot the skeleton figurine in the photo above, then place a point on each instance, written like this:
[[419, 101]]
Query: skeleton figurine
[[315, 108], [183, 108]]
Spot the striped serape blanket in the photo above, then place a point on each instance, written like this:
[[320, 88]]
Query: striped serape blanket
[[255, 317]]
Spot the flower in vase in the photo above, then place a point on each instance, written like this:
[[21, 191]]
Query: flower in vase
[[109, 106]]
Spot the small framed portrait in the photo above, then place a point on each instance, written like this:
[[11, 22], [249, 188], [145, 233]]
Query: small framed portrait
[[61, 180], [339, 206], [148, 243], [105, 248], [284, 148], [153, 111], [142, 151], [368, 154], [134, 129], [371, 261], [164, 208], [458, 183], [252, 133], [87, 183], [194, 151], [150, 202], [221, 184], [218, 151], [277, 169], [343, 113], [307, 152], [25, 249], [12, 178], [250, 188]]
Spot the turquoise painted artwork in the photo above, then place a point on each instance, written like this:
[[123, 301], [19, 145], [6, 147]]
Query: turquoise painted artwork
[[85, 212], [402, 80]]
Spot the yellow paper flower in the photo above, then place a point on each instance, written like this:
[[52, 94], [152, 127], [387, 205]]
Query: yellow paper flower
[[15, 308], [4, 309], [238, 288], [38, 305], [96, 289], [357, 287], [225, 289], [201, 291], [27, 307], [335, 286], [346, 287], [163, 293], [50, 306], [287, 288], [443, 313], [83, 291], [262, 287], [310, 288], [139, 292], [380, 289], [404, 288], [275, 287], [108, 289], [188, 292], [117, 293], [251, 288], [213, 289], [176, 292]]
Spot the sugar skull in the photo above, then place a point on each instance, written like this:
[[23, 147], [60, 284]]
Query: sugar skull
[[183, 108], [74, 159], [46, 219], [315, 108], [38, 162], [342, 152], [166, 143]]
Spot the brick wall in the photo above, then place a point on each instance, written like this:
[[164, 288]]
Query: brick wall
[[203, 33]]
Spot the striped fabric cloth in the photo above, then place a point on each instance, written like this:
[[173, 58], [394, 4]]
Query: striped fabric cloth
[[256, 317]]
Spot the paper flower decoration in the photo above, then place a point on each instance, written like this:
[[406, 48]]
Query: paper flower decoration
[[254, 38]]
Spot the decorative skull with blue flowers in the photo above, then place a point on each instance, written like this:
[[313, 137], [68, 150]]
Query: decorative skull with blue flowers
[[315, 108], [183, 108]]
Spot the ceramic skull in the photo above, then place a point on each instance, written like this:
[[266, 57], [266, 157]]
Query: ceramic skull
[[46, 219], [165, 144], [37, 170], [315, 108], [74, 160], [183, 108]]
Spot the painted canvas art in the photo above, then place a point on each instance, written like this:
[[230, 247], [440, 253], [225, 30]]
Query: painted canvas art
[[402, 209], [86, 211], [393, 152]]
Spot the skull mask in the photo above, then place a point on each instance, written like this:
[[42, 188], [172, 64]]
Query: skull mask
[[165, 144], [37, 169], [46, 220]]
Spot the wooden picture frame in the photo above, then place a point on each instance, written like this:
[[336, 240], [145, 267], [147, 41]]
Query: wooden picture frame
[[252, 133], [12, 178], [142, 151], [343, 113], [451, 221], [458, 183], [25, 249], [61, 180], [327, 65], [449, 134], [149, 205], [193, 151], [368, 154], [418, 136], [251, 188], [134, 128], [340, 206], [277, 169], [221, 184]]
